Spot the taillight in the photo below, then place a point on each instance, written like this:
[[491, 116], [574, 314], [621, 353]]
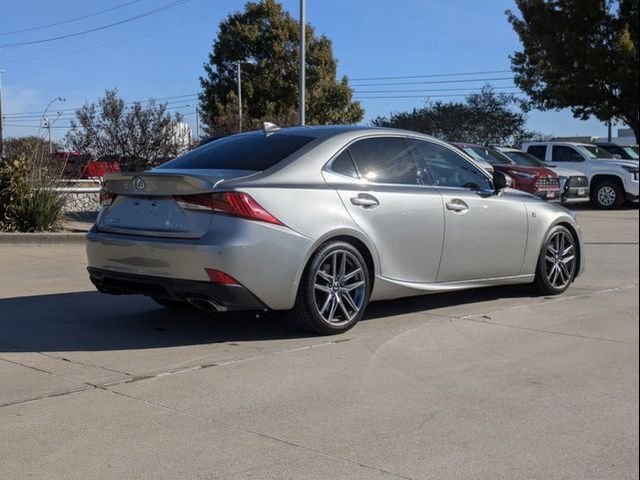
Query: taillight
[[220, 278], [237, 204], [106, 198]]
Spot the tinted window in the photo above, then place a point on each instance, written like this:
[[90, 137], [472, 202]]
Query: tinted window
[[252, 151], [385, 160], [446, 168], [561, 153], [343, 164], [538, 151], [524, 158], [488, 155]]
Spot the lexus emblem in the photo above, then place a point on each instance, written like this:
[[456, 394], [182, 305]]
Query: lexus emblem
[[138, 184]]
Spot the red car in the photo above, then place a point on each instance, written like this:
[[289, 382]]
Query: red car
[[539, 181]]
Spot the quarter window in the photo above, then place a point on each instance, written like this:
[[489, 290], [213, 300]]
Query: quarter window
[[446, 168], [385, 160], [343, 164], [561, 153]]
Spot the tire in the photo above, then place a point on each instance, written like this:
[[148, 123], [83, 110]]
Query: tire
[[608, 195], [332, 297], [172, 304], [557, 263]]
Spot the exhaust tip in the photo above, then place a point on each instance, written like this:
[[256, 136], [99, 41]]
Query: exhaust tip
[[207, 304]]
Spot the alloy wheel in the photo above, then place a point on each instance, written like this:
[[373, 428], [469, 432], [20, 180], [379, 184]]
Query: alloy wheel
[[607, 196], [339, 287], [560, 259]]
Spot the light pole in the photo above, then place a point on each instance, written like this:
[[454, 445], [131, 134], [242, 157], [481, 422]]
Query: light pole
[[303, 51], [239, 72], [1, 118]]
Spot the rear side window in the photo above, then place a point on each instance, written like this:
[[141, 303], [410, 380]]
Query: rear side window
[[446, 168], [385, 160], [343, 164], [538, 151], [252, 151], [560, 153]]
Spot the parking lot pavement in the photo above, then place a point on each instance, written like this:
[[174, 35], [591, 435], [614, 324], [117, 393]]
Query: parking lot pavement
[[495, 383]]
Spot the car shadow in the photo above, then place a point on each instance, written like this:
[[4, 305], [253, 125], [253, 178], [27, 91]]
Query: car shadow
[[90, 321]]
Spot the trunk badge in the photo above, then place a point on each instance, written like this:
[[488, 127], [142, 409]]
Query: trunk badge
[[138, 184]]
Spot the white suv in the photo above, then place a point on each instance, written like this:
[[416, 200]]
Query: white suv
[[611, 180]]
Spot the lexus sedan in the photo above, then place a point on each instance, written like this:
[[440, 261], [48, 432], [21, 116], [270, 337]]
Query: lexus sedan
[[319, 221]]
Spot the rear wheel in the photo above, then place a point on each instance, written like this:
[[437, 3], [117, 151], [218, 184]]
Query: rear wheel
[[172, 304], [334, 290], [557, 263], [607, 195]]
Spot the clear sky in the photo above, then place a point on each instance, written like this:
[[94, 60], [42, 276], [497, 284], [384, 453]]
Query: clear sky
[[161, 55]]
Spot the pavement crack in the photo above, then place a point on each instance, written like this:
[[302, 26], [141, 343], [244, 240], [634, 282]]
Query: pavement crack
[[258, 434], [48, 395]]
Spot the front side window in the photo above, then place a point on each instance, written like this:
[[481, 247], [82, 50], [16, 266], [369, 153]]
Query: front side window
[[385, 160], [538, 151], [561, 153], [446, 168], [251, 151]]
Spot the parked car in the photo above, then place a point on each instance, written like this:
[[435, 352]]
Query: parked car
[[539, 181], [320, 221], [611, 180], [626, 152], [574, 186]]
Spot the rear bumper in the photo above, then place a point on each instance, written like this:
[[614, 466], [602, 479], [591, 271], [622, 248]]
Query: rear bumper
[[226, 297]]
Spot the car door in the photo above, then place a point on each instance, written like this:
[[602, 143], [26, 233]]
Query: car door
[[485, 234], [386, 199]]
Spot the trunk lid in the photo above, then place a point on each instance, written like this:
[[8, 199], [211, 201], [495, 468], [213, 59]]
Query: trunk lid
[[145, 203]]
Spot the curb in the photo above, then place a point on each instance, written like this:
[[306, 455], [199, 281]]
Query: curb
[[42, 238]]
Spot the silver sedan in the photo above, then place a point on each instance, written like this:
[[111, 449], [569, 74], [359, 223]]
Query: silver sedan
[[319, 221]]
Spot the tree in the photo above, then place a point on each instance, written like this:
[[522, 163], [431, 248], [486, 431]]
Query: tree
[[266, 37], [579, 54], [139, 137], [485, 118], [27, 147]]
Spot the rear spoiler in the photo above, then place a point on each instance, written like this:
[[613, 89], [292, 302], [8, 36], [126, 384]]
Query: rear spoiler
[[161, 184]]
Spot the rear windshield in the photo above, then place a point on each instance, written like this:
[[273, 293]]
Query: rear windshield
[[251, 151], [488, 155], [524, 158]]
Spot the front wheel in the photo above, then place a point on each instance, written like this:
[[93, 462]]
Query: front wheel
[[334, 290], [607, 195], [558, 261]]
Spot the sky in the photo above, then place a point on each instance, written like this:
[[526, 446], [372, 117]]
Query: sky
[[161, 55]]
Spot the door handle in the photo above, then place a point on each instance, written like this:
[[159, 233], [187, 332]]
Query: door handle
[[365, 200], [457, 205]]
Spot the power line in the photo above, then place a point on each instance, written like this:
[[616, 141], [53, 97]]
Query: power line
[[30, 29], [103, 27], [430, 76], [359, 97], [466, 80], [125, 40], [472, 89]]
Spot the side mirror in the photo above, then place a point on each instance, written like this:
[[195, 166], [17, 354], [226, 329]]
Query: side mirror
[[501, 181], [616, 156]]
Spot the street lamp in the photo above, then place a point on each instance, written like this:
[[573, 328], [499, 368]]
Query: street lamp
[[303, 51]]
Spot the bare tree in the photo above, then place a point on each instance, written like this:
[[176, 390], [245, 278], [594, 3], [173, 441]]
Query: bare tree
[[138, 137]]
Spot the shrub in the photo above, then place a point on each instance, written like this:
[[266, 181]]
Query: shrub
[[28, 200]]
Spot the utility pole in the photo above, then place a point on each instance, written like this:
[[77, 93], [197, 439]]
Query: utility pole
[[47, 125], [303, 60], [609, 131], [1, 118], [239, 65]]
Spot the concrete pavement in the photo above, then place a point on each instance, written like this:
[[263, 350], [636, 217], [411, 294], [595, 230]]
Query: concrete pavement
[[495, 383]]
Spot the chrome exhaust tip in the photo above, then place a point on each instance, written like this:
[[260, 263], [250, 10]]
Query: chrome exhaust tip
[[206, 304]]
